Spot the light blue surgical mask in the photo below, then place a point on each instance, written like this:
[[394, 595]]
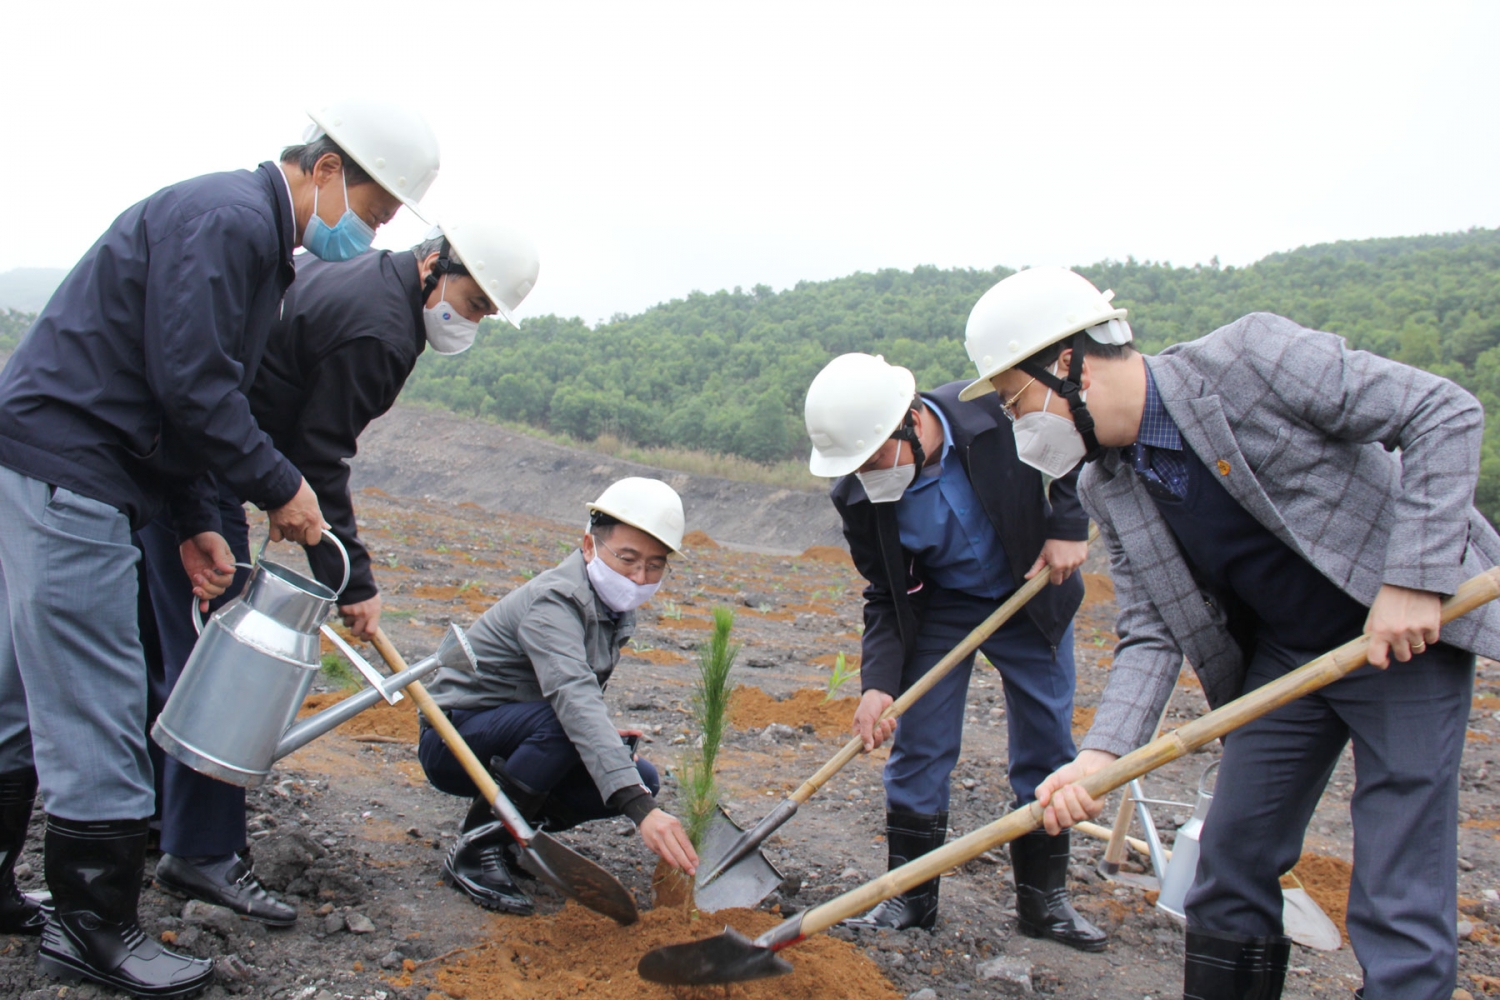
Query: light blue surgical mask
[[347, 239]]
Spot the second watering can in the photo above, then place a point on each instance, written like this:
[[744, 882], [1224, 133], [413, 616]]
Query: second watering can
[[248, 674]]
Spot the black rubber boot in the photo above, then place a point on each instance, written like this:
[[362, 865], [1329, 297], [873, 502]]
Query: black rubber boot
[[908, 835], [1233, 967], [1042, 906], [19, 913], [476, 866], [224, 881], [95, 870]]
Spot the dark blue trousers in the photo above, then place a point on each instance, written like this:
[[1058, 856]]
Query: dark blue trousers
[[538, 754], [200, 816], [1038, 684], [1408, 725]]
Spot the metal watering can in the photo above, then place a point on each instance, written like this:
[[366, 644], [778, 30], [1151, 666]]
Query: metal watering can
[[1183, 866], [230, 715]]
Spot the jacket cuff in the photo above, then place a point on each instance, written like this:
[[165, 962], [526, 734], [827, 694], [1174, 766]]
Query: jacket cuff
[[1068, 529], [633, 801], [281, 487]]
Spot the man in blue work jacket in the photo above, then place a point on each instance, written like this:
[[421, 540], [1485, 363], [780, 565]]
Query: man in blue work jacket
[[945, 522], [339, 353], [129, 394]]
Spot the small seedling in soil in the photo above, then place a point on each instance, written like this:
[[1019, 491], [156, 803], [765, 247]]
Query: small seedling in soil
[[841, 675], [697, 783], [336, 671], [672, 611]]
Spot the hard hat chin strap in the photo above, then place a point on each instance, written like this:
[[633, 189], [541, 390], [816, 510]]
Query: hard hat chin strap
[[443, 265], [1070, 389], [908, 432]]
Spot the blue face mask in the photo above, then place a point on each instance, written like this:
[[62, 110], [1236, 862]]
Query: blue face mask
[[344, 241]]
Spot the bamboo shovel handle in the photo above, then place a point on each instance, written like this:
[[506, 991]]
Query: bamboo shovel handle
[[1114, 851], [929, 680], [476, 771], [1320, 672]]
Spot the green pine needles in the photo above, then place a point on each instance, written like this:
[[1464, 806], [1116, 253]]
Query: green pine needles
[[700, 788]]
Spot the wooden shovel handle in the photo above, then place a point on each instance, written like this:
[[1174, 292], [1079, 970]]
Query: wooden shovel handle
[[942, 668], [1114, 851], [1310, 677], [477, 772]]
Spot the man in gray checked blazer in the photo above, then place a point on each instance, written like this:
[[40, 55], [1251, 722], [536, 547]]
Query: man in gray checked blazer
[[1265, 494]]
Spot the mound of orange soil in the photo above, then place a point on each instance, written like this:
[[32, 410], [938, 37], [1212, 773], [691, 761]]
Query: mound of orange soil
[[576, 953], [752, 708], [698, 540], [398, 721], [828, 554], [1327, 882]]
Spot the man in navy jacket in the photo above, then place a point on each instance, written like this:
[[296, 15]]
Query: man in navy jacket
[[127, 394], [945, 522], [342, 347]]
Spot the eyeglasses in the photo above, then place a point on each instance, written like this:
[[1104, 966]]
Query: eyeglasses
[[1009, 405], [655, 568]]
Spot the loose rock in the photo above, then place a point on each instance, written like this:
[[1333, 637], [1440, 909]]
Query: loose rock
[[219, 919], [777, 732], [1007, 972], [358, 923]]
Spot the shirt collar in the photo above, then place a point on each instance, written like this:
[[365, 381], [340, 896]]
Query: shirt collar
[[932, 472], [1158, 429]]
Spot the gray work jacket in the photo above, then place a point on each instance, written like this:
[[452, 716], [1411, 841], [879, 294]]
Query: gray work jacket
[[551, 638]]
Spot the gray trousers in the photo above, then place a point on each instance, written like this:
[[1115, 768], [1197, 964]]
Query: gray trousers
[[72, 674], [1408, 725]]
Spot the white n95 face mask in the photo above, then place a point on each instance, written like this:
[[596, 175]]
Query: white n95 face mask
[[1048, 442], [619, 593], [447, 331], [887, 485]]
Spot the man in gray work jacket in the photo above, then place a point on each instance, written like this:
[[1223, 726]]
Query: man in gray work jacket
[[535, 707], [1266, 494]]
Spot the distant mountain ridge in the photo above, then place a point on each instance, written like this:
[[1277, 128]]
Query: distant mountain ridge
[[27, 289]]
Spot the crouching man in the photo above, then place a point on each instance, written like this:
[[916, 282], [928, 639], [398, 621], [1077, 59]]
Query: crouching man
[[535, 707], [1266, 494]]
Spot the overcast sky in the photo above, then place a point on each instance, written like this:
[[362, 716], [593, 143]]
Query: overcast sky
[[652, 149]]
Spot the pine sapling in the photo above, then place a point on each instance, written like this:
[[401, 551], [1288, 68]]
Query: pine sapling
[[710, 711]]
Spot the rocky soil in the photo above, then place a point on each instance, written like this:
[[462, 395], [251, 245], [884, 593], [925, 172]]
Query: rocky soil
[[349, 831]]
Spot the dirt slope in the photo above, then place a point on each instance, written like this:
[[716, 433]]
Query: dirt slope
[[417, 452]]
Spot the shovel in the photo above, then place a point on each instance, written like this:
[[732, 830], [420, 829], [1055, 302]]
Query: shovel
[[731, 957], [736, 872], [567, 871]]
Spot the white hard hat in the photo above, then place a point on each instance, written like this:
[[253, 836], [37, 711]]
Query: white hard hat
[[503, 262], [853, 406], [648, 504], [393, 144], [1033, 309]]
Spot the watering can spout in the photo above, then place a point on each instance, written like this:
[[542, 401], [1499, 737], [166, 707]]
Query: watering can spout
[[454, 653]]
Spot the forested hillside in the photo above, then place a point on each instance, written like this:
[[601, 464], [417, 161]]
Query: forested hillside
[[726, 372]]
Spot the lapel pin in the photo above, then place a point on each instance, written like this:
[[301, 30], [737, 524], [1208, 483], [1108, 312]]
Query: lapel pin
[[1223, 467]]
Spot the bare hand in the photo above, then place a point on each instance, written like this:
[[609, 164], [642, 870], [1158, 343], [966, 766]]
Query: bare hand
[[209, 565], [300, 519], [362, 618], [1402, 622], [1062, 557], [868, 724], [669, 841], [1067, 802]]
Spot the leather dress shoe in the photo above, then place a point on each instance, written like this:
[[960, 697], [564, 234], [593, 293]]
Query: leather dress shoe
[[224, 881]]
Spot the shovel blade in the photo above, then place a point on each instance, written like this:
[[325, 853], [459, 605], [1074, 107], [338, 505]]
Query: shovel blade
[[728, 958], [574, 875], [744, 883]]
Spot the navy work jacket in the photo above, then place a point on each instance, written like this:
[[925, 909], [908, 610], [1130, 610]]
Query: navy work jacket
[[1013, 499], [132, 383], [342, 348]]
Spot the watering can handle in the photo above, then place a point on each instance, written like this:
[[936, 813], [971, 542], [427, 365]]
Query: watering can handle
[[327, 536], [198, 615]]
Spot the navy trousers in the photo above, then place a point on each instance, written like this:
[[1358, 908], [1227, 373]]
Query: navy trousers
[[200, 816], [538, 754], [1408, 725], [1038, 684]]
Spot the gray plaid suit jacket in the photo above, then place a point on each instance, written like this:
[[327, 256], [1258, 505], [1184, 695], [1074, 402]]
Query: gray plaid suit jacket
[[1365, 466]]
